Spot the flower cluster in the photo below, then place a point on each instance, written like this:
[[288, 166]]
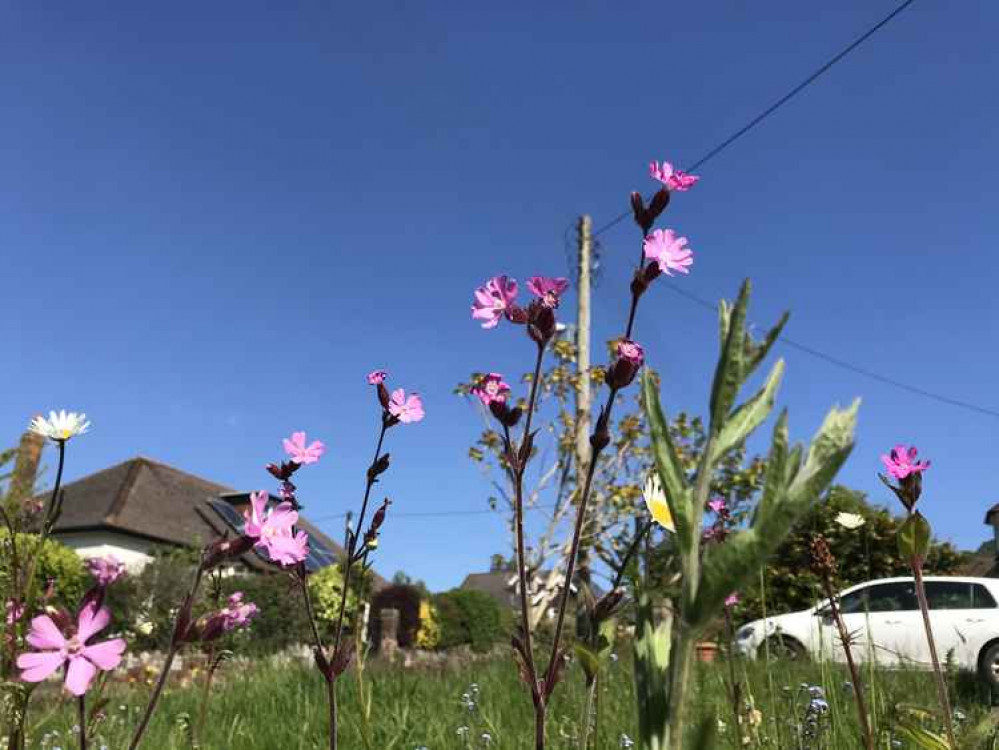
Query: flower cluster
[[902, 464], [497, 299], [273, 531], [397, 406], [105, 570]]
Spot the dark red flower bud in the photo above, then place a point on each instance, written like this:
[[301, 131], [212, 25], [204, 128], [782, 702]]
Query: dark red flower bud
[[225, 549], [541, 325], [378, 467], [383, 396], [601, 433], [659, 202], [516, 314], [640, 214]]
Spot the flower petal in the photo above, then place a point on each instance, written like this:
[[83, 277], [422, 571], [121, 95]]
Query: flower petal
[[79, 675], [38, 666], [45, 635], [91, 622], [105, 655]]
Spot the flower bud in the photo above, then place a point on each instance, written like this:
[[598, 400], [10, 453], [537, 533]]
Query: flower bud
[[630, 357]]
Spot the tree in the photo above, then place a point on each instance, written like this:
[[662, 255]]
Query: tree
[[862, 554]]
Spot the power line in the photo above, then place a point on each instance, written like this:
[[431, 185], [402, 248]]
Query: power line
[[778, 104], [842, 363], [434, 513]]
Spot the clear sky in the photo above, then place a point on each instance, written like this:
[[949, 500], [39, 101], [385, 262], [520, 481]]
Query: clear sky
[[216, 218]]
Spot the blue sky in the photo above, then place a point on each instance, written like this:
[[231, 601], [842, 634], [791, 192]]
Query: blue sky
[[216, 218]]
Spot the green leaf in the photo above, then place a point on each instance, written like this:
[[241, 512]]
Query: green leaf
[[751, 414], [775, 481], [758, 352], [668, 465], [729, 371], [914, 537], [588, 660], [921, 737], [828, 451], [729, 566]]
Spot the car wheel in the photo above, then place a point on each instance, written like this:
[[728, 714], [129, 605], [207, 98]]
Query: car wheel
[[988, 666], [784, 648]]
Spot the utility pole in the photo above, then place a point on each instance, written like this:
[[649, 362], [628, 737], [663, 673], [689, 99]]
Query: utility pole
[[584, 239]]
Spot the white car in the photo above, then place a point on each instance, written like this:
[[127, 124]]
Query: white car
[[886, 625]]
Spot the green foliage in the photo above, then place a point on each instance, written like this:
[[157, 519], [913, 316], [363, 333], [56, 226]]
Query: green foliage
[[258, 706], [428, 637], [471, 617], [57, 563], [862, 554], [326, 590], [791, 485]]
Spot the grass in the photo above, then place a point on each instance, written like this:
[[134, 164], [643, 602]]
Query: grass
[[259, 707]]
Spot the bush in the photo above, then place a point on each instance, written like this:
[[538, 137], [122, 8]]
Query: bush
[[471, 617], [57, 563], [406, 599], [428, 637]]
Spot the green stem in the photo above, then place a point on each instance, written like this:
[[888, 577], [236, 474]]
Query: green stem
[[51, 515], [175, 643], [917, 569], [82, 713], [587, 720]]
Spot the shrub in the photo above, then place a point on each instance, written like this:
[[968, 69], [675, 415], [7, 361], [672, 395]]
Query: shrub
[[406, 599], [471, 617], [326, 590], [428, 637], [57, 563]]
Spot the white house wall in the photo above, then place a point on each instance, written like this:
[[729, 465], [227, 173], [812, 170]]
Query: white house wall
[[135, 553]]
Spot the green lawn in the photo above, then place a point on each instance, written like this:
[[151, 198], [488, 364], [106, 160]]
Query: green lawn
[[267, 708]]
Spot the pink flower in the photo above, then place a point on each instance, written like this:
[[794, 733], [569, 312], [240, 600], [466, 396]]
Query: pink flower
[[237, 613], [732, 599], [299, 452], [106, 570], [547, 289], [377, 377], [492, 389], [493, 300], [406, 409], [274, 532], [717, 505], [82, 660], [673, 179], [902, 462], [669, 251], [631, 351]]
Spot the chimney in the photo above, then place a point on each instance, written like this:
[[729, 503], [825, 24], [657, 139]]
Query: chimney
[[29, 455]]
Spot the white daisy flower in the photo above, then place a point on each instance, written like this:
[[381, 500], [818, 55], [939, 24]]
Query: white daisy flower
[[60, 426], [851, 521]]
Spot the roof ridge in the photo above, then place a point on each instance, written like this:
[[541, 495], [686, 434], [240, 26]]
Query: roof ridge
[[118, 504]]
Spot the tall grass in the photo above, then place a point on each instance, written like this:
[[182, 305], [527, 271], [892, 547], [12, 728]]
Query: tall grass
[[261, 707]]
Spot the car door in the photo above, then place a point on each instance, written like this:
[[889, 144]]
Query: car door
[[826, 641], [963, 617], [893, 623]]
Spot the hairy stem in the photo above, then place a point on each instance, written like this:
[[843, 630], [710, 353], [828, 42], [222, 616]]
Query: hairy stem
[[858, 688], [51, 514], [917, 570]]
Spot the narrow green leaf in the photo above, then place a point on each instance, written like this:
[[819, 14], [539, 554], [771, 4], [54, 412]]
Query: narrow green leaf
[[914, 537], [588, 660], [729, 371], [668, 465], [751, 414], [729, 566], [775, 480], [826, 454], [759, 351], [921, 737]]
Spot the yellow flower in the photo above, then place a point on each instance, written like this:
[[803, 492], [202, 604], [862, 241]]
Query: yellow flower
[[655, 500]]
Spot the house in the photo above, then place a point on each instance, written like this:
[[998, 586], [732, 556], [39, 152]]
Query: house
[[134, 508], [503, 587]]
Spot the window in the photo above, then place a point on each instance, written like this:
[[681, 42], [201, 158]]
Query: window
[[880, 597], [981, 597], [949, 595]]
